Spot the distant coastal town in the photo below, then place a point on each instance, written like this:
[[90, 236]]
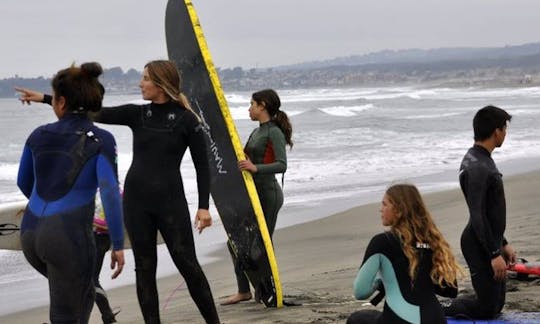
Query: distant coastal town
[[511, 66]]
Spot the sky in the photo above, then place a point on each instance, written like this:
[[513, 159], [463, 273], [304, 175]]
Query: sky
[[40, 37]]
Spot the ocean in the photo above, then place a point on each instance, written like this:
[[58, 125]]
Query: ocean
[[349, 145]]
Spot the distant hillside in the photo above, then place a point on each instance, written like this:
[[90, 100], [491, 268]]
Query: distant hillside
[[459, 67], [424, 56], [453, 67], [114, 79]]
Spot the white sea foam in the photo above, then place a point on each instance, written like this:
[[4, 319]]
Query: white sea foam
[[238, 99], [438, 115], [8, 171], [324, 95], [346, 111]]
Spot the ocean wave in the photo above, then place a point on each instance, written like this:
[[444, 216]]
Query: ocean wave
[[242, 113], [433, 116], [523, 110], [8, 171], [237, 99], [239, 113], [473, 94], [346, 111], [323, 95]]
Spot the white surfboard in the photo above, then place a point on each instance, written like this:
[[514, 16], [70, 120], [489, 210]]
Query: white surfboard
[[10, 222]]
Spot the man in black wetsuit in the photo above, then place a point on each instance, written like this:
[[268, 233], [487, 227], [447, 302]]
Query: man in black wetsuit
[[482, 242]]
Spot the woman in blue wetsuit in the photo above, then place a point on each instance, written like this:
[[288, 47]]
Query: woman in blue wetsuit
[[154, 196], [411, 263], [61, 167]]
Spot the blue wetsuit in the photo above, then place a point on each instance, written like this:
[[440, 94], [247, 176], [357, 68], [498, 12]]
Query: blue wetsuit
[[61, 167], [406, 301], [483, 237]]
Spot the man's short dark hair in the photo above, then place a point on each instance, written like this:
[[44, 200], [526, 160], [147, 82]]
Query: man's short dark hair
[[487, 120]]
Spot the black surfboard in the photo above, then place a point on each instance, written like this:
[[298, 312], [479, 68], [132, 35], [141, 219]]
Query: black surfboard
[[233, 192]]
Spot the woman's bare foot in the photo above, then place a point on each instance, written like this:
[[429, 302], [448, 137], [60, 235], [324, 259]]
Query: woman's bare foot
[[236, 298]]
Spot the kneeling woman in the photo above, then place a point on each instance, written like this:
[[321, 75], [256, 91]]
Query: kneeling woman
[[412, 262], [62, 165]]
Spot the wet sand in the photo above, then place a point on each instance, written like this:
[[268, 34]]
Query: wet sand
[[318, 262]]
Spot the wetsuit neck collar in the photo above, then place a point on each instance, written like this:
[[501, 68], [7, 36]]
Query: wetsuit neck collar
[[482, 149], [162, 104], [266, 123], [70, 115]]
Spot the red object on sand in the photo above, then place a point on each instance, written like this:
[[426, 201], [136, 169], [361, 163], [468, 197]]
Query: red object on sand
[[524, 267]]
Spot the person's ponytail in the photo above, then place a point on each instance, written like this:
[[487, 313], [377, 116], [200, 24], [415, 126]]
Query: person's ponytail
[[283, 122]]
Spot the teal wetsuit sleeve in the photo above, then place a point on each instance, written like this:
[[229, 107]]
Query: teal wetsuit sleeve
[[276, 155], [367, 279], [25, 177], [198, 151]]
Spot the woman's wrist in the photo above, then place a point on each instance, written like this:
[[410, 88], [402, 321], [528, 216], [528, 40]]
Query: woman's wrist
[[47, 98]]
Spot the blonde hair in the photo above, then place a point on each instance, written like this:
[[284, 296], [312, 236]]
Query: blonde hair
[[414, 224], [165, 75]]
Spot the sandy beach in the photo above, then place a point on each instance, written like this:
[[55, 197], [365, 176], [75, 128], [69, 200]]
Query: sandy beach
[[318, 262]]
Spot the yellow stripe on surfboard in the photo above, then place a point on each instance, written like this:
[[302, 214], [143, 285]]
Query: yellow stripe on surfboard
[[250, 185]]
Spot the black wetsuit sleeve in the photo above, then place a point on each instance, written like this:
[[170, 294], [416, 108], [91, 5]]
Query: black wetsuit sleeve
[[197, 148], [119, 115], [446, 290], [47, 98], [476, 185]]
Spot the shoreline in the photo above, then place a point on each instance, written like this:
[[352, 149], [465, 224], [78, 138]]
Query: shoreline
[[313, 274]]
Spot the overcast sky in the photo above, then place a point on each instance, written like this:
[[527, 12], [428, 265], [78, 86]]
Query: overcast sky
[[39, 37]]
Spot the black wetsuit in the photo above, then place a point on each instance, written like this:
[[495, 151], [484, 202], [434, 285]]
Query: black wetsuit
[[406, 301], [266, 149], [103, 244], [483, 237], [154, 197], [62, 165]]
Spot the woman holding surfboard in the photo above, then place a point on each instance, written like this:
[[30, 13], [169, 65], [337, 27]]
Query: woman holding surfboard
[[154, 197], [265, 157], [61, 166]]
